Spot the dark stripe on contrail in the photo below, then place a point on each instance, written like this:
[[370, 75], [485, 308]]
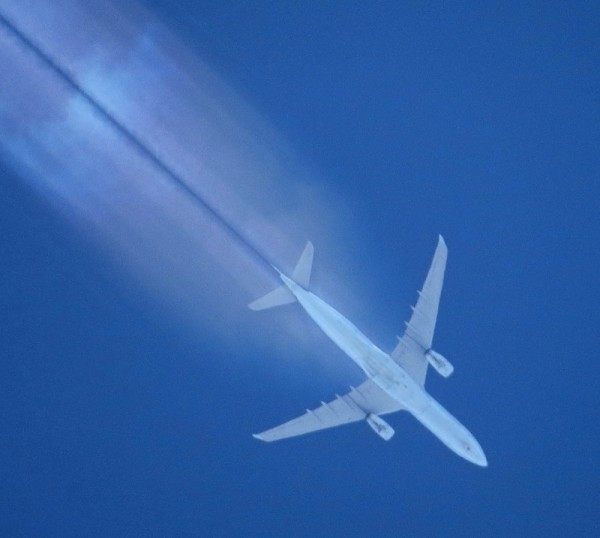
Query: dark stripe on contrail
[[132, 139]]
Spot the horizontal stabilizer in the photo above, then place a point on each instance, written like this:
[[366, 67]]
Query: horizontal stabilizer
[[301, 274], [277, 297]]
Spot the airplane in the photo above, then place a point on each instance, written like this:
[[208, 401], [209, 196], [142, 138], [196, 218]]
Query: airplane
[[395, 381]]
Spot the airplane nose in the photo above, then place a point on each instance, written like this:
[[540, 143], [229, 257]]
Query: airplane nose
[[480, 458], [473, 452]]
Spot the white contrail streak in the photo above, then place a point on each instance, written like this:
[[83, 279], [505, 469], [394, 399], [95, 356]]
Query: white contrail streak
[[126, 133]]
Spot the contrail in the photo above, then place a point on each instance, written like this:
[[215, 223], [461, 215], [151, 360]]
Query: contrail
[[183, 188], [136, 142]]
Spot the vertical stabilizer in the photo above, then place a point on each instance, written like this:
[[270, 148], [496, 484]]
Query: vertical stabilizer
[[301, 274]]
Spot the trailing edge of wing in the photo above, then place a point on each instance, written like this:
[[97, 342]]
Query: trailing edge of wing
[[356, 405], [422, 322], [418, 337]]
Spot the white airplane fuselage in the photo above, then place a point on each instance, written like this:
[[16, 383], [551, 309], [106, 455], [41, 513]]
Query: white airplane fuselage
[[389, 375]]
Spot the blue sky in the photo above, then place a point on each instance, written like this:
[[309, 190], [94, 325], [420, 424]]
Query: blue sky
[[133, 374]]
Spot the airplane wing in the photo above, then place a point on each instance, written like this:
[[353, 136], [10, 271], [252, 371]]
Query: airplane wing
[[418, 336], [357, 405]]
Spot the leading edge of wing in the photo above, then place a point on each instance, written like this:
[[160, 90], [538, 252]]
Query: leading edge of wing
[[418, 336], [356, 405], [421, 326]]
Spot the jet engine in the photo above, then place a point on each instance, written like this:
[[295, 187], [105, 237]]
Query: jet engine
[[380, 427], [440, 363]]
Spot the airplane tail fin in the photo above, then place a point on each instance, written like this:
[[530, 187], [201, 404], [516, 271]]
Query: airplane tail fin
[[282, 295]]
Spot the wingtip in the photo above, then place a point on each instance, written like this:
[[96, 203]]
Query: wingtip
[[258, 436], [441, 239]]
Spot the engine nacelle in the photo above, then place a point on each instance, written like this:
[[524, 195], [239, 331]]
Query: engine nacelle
[[380, 427], [440, 363]]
